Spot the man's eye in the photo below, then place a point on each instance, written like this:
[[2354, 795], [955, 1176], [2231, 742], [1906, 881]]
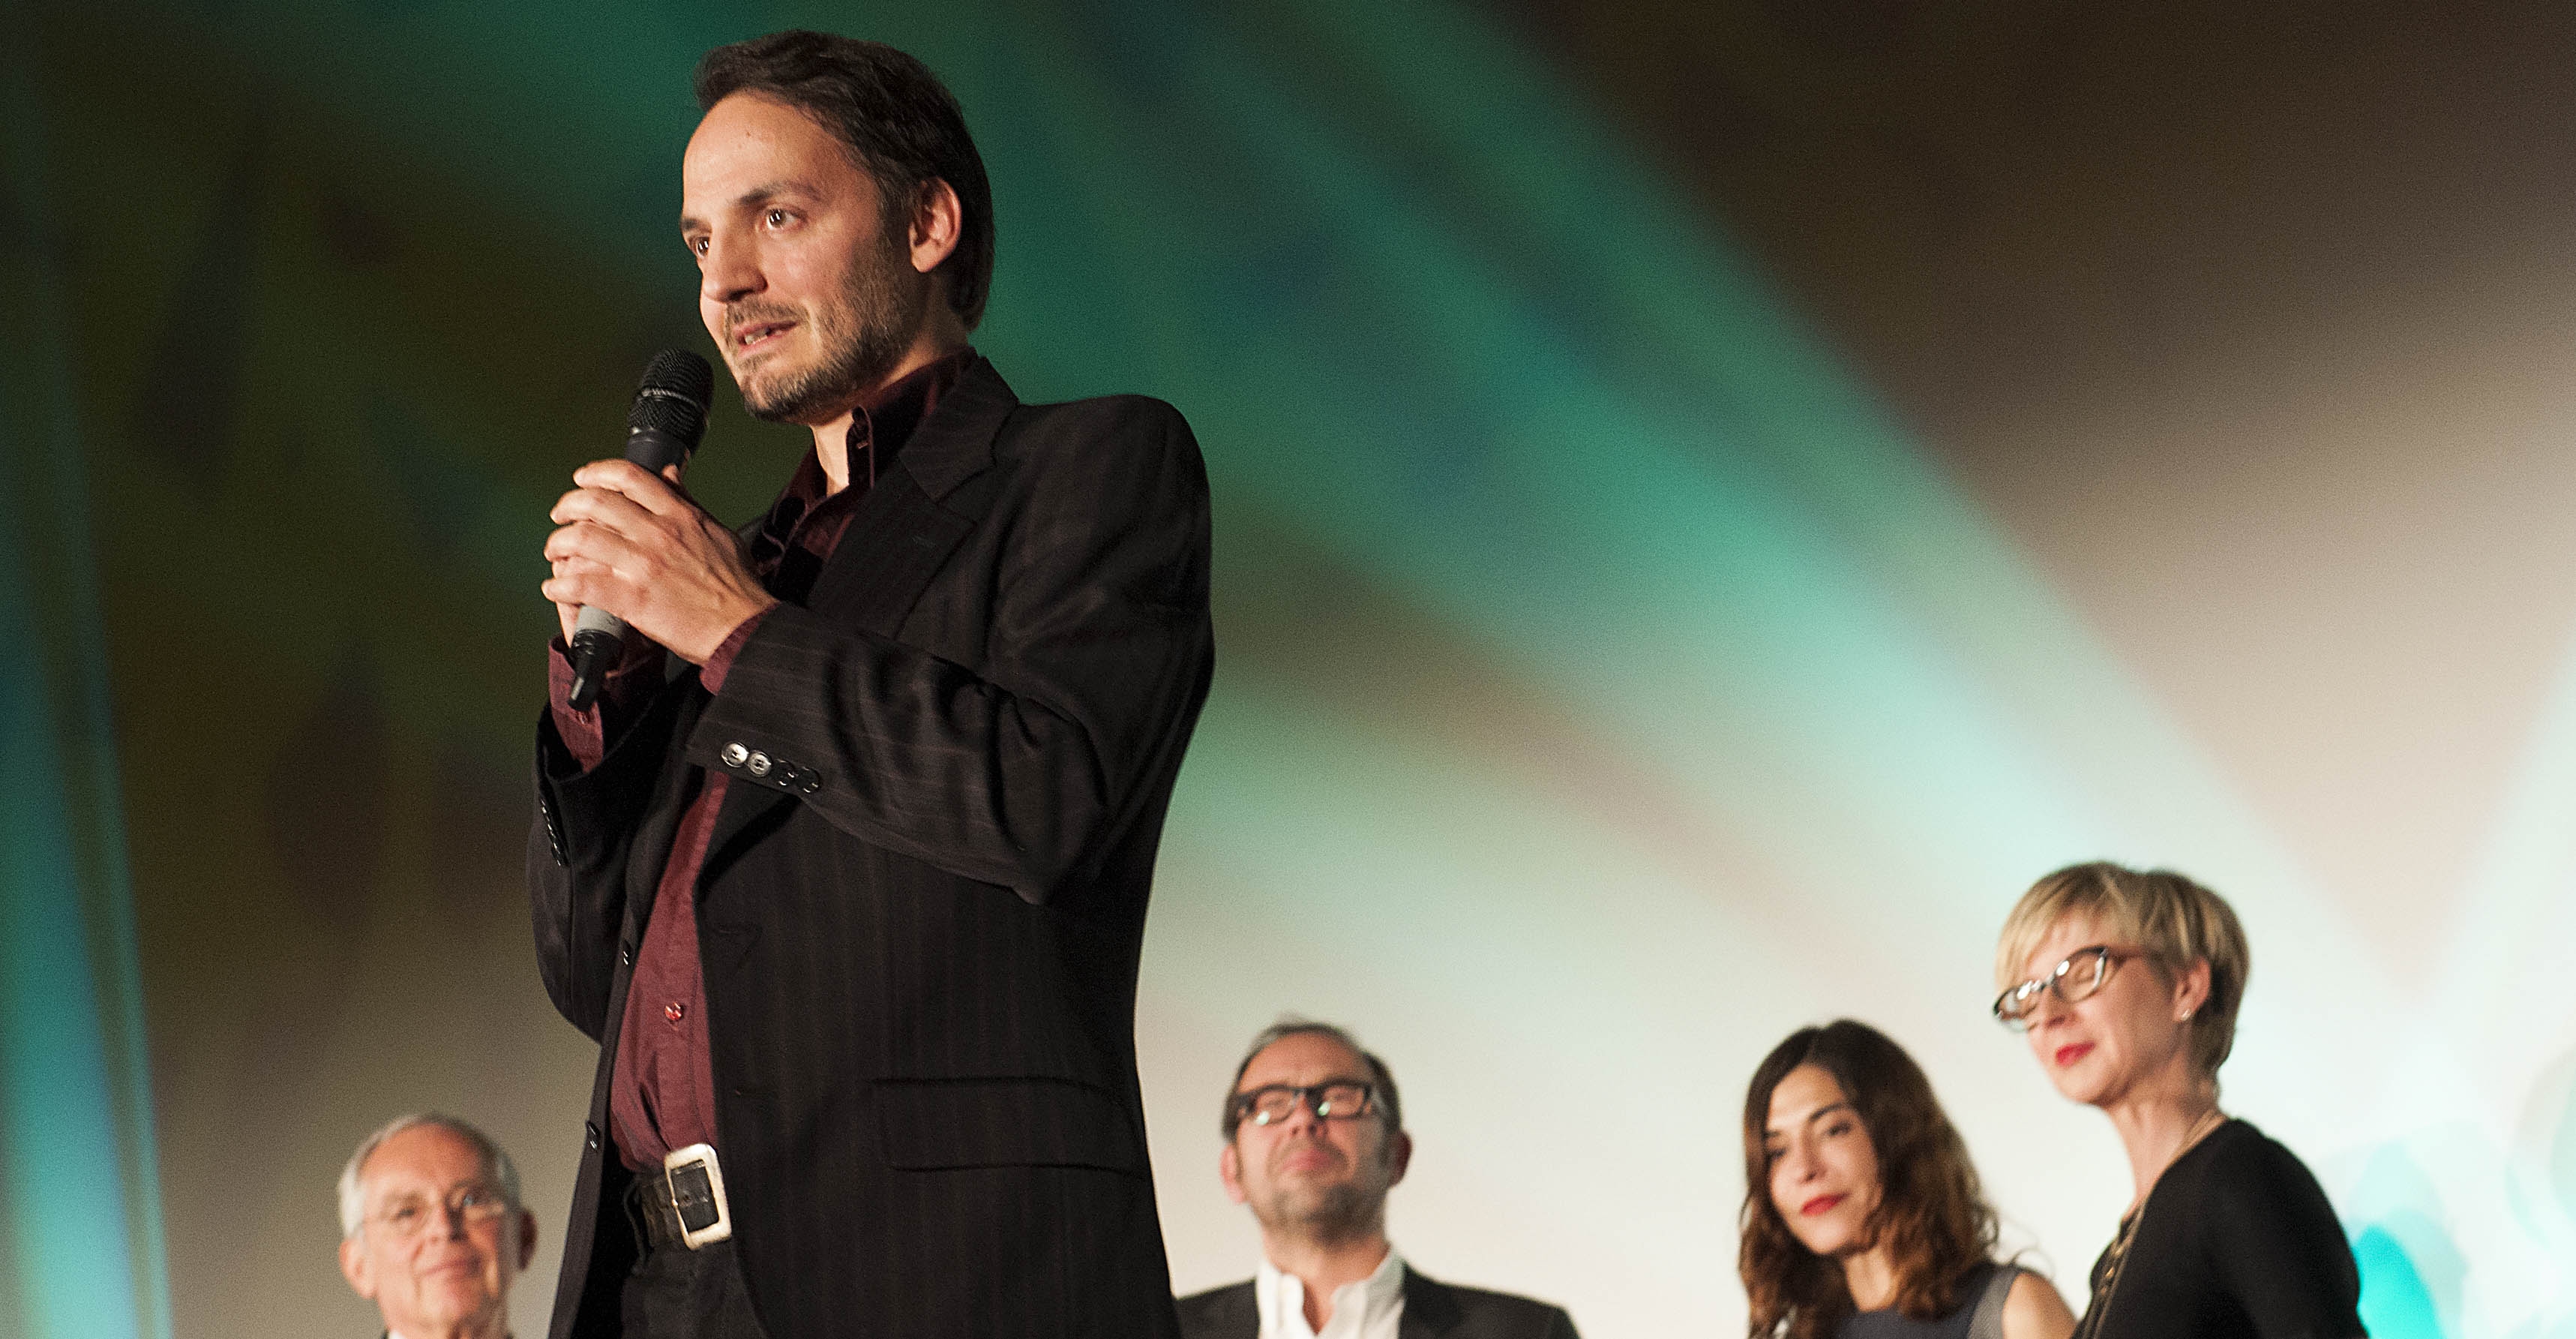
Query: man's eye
[[778, 218], [403, 1213]]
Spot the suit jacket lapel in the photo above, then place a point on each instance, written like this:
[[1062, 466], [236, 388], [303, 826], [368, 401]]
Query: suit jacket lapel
[[1429, 1309], [905, 528]]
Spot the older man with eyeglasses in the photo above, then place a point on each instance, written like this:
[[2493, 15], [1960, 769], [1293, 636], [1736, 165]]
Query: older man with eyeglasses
[[431, 1230], [1314, 1138]]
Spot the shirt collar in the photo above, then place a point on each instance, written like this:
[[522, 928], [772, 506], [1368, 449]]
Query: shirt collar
[[1280, 1297], [878, 431], [884, 422]]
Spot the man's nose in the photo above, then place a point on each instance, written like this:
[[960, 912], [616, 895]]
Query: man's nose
[[729, 270], [1301, 1114]]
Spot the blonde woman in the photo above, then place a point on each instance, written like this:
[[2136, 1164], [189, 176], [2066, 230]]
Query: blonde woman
[[2126, 985]]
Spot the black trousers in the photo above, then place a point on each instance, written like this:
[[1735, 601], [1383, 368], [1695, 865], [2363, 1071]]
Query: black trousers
[[678, 1293]]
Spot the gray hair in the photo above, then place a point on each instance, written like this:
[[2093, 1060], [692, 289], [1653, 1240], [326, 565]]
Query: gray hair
[[1290, 1025], [353, 1186]]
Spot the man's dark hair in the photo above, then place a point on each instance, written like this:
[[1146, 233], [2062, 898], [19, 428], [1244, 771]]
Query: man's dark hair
[[1381, 1079], [899, 122]]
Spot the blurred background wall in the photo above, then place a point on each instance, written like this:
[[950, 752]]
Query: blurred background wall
[[1713, 499]]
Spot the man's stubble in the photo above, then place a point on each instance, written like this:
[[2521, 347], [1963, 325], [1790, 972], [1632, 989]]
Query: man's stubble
[[1342, 1211], [861, 338]]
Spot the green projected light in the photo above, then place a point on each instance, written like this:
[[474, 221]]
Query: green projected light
[[1607, 685], [81, 1231]]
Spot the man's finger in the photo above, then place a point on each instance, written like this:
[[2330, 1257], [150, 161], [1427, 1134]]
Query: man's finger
[[593, 584], [648, 490], [608, 510], [586, 545]]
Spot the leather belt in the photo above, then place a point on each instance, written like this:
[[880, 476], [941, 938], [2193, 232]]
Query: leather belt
[[682, 1204]]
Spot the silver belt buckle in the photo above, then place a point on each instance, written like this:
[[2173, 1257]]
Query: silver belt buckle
[[693, 1182]]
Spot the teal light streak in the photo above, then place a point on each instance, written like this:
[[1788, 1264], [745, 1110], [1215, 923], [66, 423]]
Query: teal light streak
[[82, 1188], [1421, 308], [2394, 1301]]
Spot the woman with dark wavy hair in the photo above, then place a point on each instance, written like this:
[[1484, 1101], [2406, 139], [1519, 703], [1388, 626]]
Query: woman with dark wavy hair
[[1862, 1214]]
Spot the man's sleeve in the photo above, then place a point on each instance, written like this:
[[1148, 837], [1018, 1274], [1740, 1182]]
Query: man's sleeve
[[593, 790], [1097, 658], [2275, 1243]]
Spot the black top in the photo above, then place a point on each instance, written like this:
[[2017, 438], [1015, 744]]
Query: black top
[[1951, 1324], [1432, 1310], [2236, 1239]]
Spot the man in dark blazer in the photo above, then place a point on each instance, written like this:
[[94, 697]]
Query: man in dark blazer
[[850, 884], [1314, 1139]]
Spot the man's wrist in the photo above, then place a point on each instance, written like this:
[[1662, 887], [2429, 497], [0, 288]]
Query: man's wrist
[[719, 662]]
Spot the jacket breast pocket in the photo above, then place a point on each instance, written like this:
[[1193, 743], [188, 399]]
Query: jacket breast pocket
[[945, 1124]]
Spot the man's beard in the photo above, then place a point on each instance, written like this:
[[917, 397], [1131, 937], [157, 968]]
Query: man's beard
[[1325, 1215], [860, 340], [1337, 1212]]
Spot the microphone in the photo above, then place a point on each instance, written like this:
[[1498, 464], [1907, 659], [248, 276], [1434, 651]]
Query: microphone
[[662, 428]]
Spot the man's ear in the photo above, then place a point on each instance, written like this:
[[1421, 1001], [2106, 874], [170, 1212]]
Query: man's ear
[[355, 1268], [527, 1239], [938, 221], [1399, 1155], [1229, 1169]]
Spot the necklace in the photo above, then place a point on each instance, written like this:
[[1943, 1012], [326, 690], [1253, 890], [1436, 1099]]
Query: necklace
[[2106, 1284]]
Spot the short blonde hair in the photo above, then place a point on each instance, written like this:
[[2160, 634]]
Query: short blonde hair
[[2176, 920]]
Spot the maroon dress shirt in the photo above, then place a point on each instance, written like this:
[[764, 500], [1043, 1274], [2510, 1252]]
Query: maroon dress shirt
[[662, 1095]]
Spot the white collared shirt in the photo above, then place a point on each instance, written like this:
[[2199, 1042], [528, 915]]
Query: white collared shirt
[[1369, 1309]]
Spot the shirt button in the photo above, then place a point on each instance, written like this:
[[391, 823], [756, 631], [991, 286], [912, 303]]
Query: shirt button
[[734, 754], [675, 1011]]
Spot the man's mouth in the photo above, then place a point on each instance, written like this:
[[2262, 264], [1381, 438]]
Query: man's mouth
[[1308, 1160], [1818, 1205], [752, 335]]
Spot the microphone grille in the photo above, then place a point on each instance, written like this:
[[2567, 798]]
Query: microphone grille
[[673, 396]]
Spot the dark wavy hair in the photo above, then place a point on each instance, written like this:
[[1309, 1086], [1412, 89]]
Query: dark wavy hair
[[897, 120], [1931, 1212]]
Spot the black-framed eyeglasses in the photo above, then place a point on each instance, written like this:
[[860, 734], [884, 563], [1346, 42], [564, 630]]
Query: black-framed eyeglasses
[[2081, 974], [1340, 1099]]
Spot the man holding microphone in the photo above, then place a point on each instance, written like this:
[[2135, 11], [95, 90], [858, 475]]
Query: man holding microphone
[[846, 868]]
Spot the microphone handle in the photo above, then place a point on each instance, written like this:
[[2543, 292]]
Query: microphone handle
[[598, 636]]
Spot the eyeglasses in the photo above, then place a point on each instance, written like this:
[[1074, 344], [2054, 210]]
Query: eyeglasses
[[2077, 978], [407, 1217], [1341, 1099]]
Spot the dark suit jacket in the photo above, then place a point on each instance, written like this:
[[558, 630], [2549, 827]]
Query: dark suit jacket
[[1432, 1310], [919, 924]]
